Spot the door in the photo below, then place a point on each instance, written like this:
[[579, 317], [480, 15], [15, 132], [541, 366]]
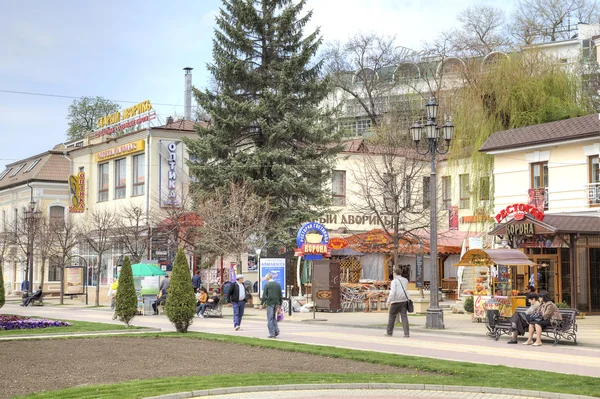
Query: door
[[546, 275]]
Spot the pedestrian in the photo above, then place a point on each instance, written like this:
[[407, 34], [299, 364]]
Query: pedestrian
[[398, 303], [273, 300], [112, 294], [237, 297], [197, 281], [164, 284]]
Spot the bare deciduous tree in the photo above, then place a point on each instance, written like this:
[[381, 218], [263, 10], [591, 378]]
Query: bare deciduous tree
[[481, 30], [99, 237], [230, 220], [66, 237], [133, 231]]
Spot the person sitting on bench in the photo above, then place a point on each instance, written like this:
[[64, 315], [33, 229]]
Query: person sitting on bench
[[212, 303], [35, 297], [161, 300]]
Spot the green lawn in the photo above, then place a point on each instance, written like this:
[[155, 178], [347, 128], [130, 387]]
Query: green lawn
[[78, 326], [447, 373]]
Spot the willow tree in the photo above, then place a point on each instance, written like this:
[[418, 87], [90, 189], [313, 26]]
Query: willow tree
[[521, 90]]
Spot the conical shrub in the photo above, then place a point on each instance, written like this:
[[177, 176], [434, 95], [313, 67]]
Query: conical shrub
[[181, 302], [126, 299], [2, 297]]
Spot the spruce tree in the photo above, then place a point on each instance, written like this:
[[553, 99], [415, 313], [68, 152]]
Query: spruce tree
[[181, 302], [126, 299], [2, 293], [269, 125]]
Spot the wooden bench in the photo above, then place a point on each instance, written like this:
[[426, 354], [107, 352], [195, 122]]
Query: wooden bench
[[566, 329]]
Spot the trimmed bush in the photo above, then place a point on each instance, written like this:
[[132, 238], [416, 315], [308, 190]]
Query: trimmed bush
[[563, 305], [126, 299], [468, 304], [2, 293], [181, 302]]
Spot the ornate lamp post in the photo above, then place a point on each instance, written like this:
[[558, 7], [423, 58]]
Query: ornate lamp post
[[31, 217], [436, 144]]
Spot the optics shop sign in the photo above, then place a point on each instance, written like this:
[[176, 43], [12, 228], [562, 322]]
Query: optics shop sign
[[77, 188], [519, 211], [120, 151], [170, 170], [312, 240], [129, 117]]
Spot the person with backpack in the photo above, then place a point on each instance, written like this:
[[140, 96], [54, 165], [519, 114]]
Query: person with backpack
[[398, 303]]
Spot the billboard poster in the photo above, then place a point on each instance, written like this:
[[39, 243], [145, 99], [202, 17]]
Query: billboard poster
[[419, 266], [453, 217], [537, 198], [74, 280], [275, 266]]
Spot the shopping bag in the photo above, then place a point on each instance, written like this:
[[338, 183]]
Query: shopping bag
[[279, 313]]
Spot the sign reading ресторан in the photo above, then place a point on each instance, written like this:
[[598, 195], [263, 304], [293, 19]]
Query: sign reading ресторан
[[120, 151], [129, 117]]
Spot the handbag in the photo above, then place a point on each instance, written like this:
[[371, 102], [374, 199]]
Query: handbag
[[410, 306], [280, 313]]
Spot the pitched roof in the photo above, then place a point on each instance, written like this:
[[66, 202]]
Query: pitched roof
[[550, 132], [49, 166], [181, 124]]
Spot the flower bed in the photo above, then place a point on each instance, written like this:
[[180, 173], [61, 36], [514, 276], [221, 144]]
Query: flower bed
[[20, 322]]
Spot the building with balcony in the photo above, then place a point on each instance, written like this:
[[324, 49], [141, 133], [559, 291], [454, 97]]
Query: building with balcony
[[562, 159]]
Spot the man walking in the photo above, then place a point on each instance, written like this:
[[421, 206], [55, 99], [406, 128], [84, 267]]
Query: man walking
[[398, 303], [237, 297], [272, 298], [197, 281]]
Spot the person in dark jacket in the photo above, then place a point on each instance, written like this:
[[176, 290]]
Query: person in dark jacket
[[36, 296], [273, 300], [237, 296], [197, 281]]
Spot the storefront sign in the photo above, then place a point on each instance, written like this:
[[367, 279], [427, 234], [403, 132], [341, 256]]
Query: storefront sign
[[125, 119], [524, 229], [77, 188], [312, 240], [338, 243], [519, 210], [120, 151], [168, 181], [357, 219]]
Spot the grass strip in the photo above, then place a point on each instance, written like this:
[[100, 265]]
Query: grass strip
[[448, 373], [77, 326]]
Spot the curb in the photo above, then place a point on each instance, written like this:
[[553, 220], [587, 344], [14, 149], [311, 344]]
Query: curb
[[317, 387], [80, 334]]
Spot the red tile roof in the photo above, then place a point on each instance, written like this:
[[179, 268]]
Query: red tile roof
[[551, 132]]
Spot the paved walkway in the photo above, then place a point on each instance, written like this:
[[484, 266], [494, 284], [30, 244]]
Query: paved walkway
[[460, 341]]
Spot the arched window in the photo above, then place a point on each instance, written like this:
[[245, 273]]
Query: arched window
[[407, 71], [451, 67], [493, 58]]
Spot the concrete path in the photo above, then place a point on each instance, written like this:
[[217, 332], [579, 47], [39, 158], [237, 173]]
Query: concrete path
[[458, 342]]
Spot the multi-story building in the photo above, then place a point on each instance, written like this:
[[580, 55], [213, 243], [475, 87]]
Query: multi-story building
[[553, 167]]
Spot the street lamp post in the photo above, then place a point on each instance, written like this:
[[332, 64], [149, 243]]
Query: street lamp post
[[31, 217], [436, 144]]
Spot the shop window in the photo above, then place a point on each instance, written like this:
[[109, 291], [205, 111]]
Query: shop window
[[120, 178], [594, 180], [426, 192], [338, 188], [139, 175], [465, 191], [103, 182], [484, 188], [446, 192]]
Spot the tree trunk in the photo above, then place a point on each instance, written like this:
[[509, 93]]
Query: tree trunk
[[42, 271], [98, 272]]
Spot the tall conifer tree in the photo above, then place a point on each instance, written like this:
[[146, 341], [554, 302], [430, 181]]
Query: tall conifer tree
[[268, 123]]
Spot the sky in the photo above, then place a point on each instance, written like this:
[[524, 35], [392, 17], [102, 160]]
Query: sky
[[129, 52]]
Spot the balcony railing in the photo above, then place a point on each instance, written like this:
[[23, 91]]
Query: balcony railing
[[592, 191]]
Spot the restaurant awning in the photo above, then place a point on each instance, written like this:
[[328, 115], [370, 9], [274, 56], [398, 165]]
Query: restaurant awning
[[486, 257]]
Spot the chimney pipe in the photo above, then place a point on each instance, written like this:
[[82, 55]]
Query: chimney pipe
[[187, 104]]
